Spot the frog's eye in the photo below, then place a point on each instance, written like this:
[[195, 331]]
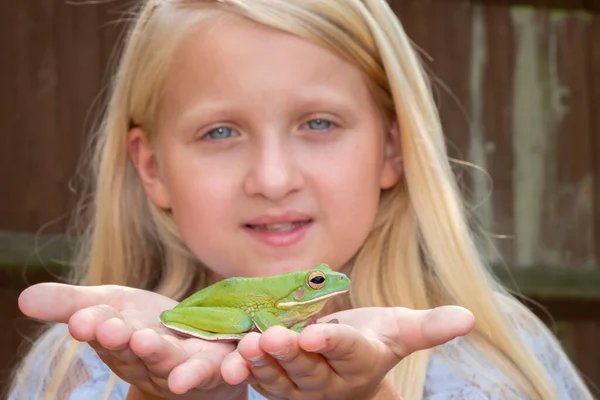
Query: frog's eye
[[316, 280]]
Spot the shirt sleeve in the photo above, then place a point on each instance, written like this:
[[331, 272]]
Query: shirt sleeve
[[89, 378], [86, 378], [458, 371], [548, 351], [100, 379]]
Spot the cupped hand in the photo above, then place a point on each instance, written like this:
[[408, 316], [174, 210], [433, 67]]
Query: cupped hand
[[122, 325], [345, 360]]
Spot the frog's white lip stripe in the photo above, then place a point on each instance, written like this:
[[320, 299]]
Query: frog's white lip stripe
[[296, 303]]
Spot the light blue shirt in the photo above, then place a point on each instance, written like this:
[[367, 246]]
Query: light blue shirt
[[452, 374]]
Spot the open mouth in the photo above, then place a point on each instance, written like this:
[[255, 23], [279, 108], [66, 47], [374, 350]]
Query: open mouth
[[279, 227]]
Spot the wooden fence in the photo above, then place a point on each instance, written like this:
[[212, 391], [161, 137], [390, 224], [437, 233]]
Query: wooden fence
[[518, 90]]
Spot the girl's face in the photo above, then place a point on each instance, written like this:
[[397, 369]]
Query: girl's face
[[271, 152]]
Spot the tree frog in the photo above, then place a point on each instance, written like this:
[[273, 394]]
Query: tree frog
[[229, 309]]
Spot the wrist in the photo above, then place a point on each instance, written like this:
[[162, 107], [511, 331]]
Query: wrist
[[136, 393], [386, 391]]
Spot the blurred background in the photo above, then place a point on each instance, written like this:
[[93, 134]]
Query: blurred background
[[518, 87]]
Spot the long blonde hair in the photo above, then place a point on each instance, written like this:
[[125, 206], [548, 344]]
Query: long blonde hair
[[420, 253]]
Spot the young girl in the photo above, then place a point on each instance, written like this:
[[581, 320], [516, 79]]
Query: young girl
[[254, 137]]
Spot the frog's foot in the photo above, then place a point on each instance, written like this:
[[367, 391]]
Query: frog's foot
[[184, 331]]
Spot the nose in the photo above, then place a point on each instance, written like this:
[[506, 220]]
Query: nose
[[275, 173]]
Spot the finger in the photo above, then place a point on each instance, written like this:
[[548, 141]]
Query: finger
[[202, 371], [235, 370], [265, 369], [344, 348], [83, 324], [413, 330], [406, 330], [105, 331], [308, 371], [160, 353], [57, 302], [114, 334]]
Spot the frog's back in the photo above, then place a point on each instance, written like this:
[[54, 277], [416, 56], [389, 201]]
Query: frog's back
[[235, 292]]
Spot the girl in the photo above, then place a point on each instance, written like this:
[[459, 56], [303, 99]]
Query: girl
[[254, 137]]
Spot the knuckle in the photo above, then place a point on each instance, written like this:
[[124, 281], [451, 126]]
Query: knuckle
[[304, 374], [270, 379], [310, 380], [278, 384]]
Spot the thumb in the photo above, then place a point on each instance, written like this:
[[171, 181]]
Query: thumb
[[57, 302], [408, 331]]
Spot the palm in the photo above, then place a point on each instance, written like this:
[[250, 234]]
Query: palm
[[328, 360], [122, 324]]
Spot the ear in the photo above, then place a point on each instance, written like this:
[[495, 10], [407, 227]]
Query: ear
[[145, 161], [392, 168]]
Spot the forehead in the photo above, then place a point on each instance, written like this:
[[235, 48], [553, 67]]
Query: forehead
[[229, 52]]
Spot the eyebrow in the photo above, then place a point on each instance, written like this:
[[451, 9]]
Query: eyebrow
[[321, 98], [327, 98]]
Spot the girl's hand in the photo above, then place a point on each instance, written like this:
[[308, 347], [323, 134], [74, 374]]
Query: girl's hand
[[345, 360], [122, 325]]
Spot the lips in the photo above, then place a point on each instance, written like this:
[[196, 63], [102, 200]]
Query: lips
[[278, 222], [279, 230]]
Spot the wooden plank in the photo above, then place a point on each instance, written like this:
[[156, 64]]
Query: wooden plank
[[8, 90], [551, 178], [589, 344], [114, 18], [575, 175], [415, 18], [571, 198], [492, 147], [79, 82], [593, 84], [29, 130], [56, 59], [449, 48]]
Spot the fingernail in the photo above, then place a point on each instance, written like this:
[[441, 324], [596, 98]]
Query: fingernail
[[257, 361], [280, 355]]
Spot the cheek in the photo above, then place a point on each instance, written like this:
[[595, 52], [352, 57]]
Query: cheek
[[202, 197], [357, 169], [357, 198], [351, 192]]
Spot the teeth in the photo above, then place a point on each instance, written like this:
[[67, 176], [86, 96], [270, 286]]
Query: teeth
[[278, 227], [288, 226]]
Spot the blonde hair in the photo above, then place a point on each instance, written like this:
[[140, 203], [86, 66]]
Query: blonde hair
[[420, 253]]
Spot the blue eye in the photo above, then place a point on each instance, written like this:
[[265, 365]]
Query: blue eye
[[220, 133], [319, 124]]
